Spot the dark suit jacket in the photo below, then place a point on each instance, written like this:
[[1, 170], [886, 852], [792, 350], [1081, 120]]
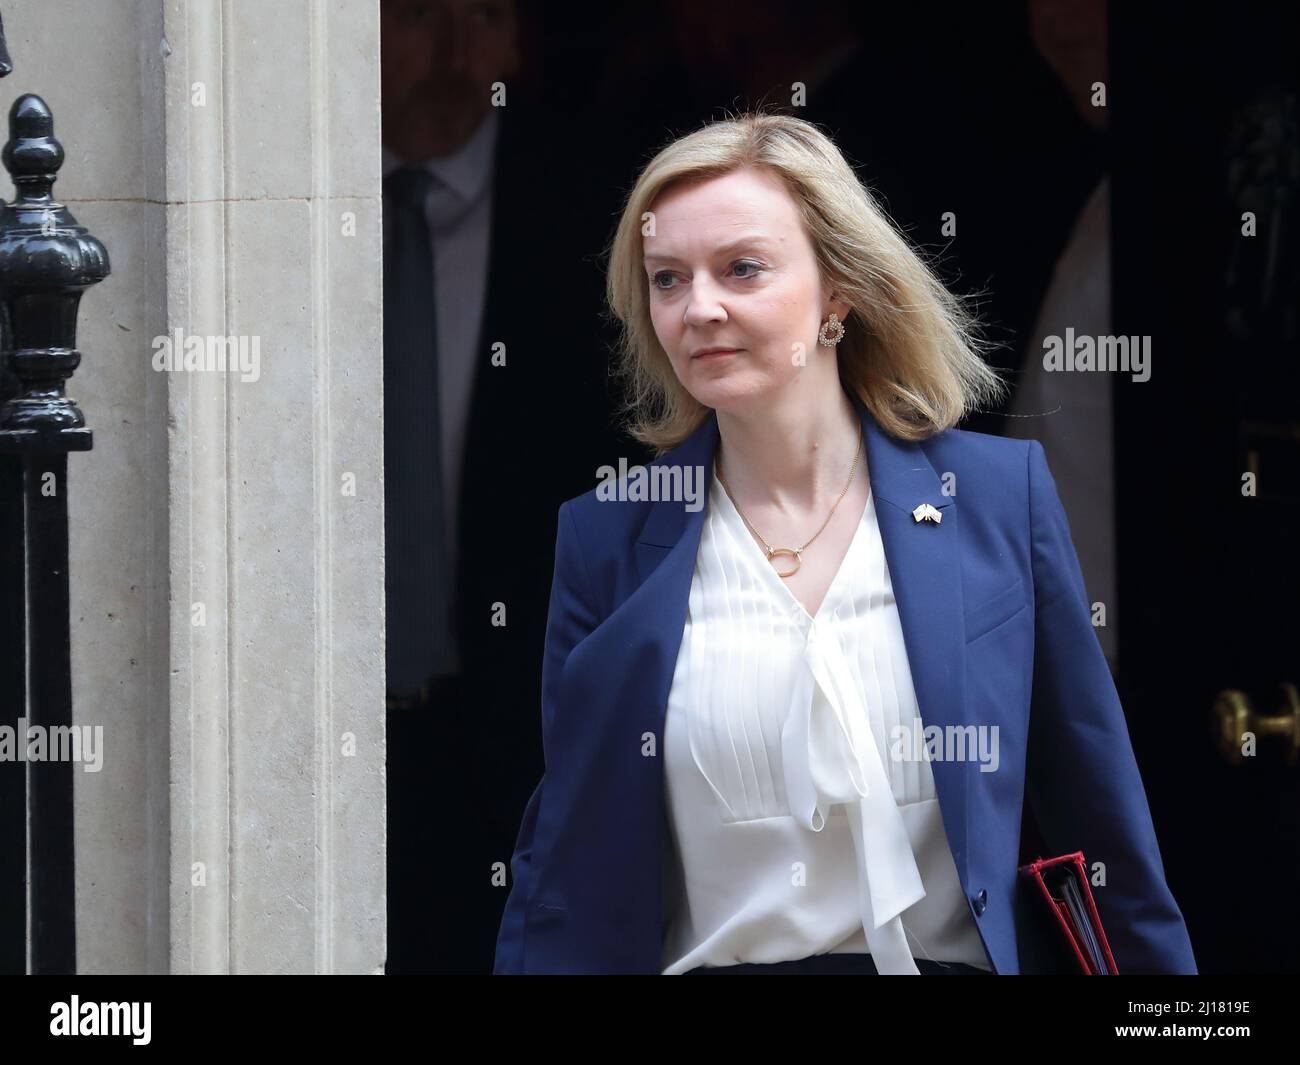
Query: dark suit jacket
[[536, 430]]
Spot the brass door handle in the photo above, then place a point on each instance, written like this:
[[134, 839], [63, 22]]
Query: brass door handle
[[1235, 716]]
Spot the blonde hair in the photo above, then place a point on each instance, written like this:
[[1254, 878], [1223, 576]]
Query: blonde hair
[[910, 349]]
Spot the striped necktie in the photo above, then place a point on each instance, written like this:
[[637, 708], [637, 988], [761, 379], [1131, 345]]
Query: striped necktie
[[416, 581]]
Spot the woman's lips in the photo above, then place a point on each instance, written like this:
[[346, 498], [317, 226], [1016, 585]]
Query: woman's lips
[[708, 355]]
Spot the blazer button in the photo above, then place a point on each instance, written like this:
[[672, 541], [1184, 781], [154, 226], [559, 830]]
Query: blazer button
[[981, 900]]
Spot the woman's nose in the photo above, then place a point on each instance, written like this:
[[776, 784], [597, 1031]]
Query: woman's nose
[[702, 303]]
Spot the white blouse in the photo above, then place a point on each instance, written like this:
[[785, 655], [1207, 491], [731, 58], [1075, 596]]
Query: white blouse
[[798, 830]]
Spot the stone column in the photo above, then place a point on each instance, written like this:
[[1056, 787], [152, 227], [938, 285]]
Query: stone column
[[227, 529]]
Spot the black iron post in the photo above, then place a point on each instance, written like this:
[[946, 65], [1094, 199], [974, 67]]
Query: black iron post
[[46, 261]]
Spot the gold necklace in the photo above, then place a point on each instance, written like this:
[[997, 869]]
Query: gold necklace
[[794, 552]]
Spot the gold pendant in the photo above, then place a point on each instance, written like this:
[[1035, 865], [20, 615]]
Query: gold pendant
[[793, 552]]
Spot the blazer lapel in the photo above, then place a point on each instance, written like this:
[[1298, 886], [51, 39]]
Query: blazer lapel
[[925, 572], [924, 568]]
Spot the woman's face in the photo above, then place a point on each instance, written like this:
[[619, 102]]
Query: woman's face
[[729, 265]]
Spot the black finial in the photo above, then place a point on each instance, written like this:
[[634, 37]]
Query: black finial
[[32, 156], [46, 261], [6, 64]]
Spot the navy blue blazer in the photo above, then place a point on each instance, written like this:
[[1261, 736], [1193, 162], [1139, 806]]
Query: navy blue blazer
[[998, 632]]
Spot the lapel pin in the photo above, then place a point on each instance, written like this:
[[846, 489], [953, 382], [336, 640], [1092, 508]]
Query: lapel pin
[[925, 512]]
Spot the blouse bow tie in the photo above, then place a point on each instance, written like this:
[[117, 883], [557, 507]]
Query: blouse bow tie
[[830, 756]]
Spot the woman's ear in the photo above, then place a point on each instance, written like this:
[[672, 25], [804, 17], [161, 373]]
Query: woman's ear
[[836, 302]]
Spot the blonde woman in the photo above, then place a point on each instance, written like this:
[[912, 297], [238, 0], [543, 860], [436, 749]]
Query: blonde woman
[[802, 671]]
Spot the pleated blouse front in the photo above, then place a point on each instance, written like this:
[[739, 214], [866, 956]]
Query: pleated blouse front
[[800, 825]]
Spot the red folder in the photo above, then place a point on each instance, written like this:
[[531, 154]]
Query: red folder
[[1063, 887]]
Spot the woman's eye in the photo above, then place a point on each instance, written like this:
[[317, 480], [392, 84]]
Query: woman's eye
[[753, 270]]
